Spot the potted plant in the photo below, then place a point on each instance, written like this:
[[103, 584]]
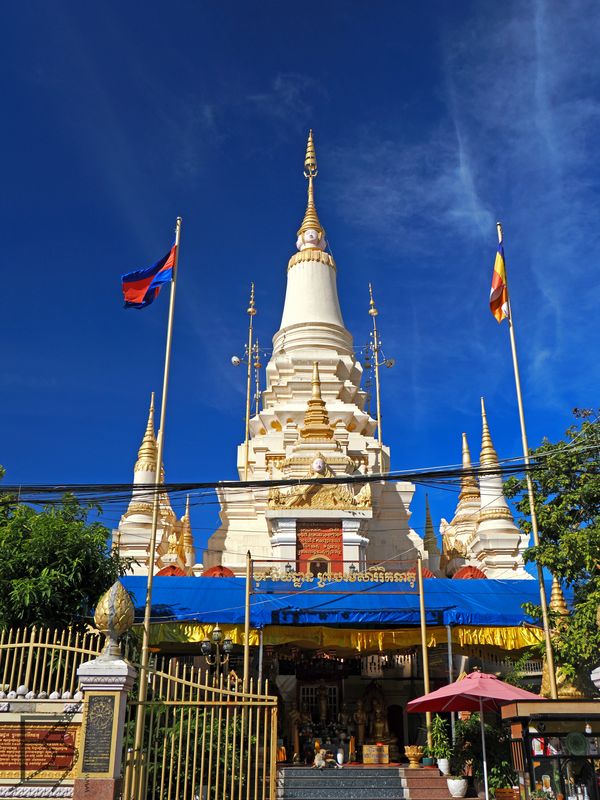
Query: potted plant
[[428, 759], [456, 780], [440, 748], [457, 785]]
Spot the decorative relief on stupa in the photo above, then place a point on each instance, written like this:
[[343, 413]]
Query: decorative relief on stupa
[[327, 497]]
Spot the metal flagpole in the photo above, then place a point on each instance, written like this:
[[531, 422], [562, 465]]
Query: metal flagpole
[[251, 313], [534, 525], [373, 313], [425, 655], [143, 675]]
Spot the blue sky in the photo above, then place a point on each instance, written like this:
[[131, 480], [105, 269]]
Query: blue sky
[[431, 121]]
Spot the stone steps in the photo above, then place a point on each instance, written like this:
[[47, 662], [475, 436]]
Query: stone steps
[[361, 783], [348, 783]]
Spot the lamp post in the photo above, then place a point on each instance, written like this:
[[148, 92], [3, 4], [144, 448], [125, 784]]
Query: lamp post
[[252, 359], [379, 360], [212, 651]]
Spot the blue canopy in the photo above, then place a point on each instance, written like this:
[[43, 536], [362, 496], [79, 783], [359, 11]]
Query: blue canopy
[[447, 602]]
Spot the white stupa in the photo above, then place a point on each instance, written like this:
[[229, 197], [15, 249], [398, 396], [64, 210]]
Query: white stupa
[[312, 332]]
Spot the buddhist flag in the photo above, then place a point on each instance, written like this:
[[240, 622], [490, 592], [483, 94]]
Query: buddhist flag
[[499, 290], [140, 288]]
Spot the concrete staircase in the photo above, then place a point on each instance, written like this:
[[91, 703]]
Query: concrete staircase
[[361, 783]]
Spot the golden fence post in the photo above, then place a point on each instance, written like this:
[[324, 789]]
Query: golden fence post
[[273, 754]]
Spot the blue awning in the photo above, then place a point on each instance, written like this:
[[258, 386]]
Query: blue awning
[[447, 602]]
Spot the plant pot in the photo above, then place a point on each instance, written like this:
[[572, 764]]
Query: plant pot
[[428, 762], [414, 753], [457, 786], [444, 765]]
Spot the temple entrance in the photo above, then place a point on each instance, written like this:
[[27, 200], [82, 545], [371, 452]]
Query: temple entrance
[[319, 565]]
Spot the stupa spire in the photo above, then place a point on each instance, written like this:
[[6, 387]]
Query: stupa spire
[[468, 482], [430, 540], [148, 451], [488, 454], [558, 603], [316, 420], [311, 233]]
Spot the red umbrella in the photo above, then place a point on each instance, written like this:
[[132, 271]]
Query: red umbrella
[[475, 692]]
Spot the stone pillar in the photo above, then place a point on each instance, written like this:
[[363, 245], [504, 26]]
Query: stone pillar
[[105, 682], [355, 545], [283, 541]]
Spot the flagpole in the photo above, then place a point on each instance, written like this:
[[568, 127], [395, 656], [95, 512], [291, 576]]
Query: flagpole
[[424, 653], [251, 313], [373, 314], [143, 674], [526, 459]]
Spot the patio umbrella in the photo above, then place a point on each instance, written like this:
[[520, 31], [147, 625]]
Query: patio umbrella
[[477, 691]]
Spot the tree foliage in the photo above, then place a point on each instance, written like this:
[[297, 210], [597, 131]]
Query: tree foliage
[[54, 563], [567, 503]]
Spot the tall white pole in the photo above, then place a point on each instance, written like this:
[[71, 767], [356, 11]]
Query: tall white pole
[[251, 313], [485, 773], [534, 524], [143, 675], [373, 314], [424, 653]]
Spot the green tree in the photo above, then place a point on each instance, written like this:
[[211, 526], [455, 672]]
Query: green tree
[[54, 563], [567, 502]]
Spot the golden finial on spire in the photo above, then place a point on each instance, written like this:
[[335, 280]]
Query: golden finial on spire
[[468, 482], [311, 218], [147, 454], [488, 453], [316, 420]]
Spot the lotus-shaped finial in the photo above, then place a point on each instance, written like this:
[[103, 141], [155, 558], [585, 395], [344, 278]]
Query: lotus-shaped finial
[[113, 617]]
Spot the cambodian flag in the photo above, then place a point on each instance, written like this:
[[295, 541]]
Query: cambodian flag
[[140, 288]]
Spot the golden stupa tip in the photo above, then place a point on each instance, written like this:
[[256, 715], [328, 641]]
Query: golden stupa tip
[[466, 453], [187, 506], [316, 421], [488, 453], [148, 449], [310, 159], [311, 218], [468, 482]]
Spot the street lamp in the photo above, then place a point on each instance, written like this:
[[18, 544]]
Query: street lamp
[[212, 650]]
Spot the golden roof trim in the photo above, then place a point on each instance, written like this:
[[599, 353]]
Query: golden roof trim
[[311, 254]]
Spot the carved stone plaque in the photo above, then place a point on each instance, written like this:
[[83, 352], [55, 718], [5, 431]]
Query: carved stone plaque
[[97, 749]]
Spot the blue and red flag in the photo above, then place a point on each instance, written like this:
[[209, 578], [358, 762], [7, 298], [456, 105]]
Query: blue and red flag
[[140, 288]]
